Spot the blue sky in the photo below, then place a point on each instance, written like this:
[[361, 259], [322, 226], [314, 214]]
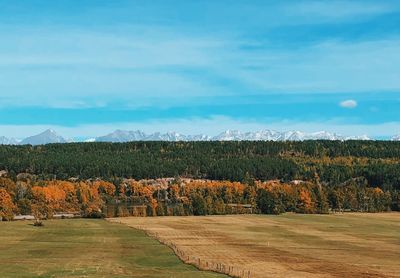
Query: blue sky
[[86, 67]]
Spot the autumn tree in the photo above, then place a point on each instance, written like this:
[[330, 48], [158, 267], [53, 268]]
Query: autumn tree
[[9, 185], [7, 207], [305, 202], [91, 203], [40, 207]]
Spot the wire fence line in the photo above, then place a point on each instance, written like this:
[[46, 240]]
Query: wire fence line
[[198, 262]]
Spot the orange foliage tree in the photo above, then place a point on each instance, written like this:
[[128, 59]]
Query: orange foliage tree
[[306, 204], [7, 207], [89, 197], [40, 207]]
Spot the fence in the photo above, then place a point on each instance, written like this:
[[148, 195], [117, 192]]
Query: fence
[[200, 263]]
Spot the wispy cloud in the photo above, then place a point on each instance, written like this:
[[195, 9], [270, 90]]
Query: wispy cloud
[[138, 67], [130, 58], [350, 103]]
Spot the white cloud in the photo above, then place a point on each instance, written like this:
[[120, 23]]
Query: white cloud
[[330, 66], [130, 65], [350, 103]]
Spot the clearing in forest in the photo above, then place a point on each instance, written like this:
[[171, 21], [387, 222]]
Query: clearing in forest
[[289, 245]]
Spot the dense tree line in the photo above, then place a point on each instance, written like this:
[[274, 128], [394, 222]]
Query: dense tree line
[[127, 197], [333, 161], [100, 179]]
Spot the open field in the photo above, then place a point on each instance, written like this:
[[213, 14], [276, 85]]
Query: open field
[[289, 245], [86, 248]]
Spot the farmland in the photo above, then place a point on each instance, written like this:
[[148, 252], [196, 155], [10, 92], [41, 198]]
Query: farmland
[[86, 248], [288, 245]]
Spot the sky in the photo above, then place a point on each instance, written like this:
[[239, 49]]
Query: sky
[[86, 68]]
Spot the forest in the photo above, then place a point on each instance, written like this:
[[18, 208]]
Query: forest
[[119, 179], [182, 197]]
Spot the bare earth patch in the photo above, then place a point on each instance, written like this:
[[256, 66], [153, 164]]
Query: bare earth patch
[[289, 245]]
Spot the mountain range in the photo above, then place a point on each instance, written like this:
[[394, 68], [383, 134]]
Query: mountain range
[[7, 141], [396, 138], [50, 136]]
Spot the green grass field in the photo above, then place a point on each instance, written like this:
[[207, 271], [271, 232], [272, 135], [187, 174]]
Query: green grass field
[[86, 248]]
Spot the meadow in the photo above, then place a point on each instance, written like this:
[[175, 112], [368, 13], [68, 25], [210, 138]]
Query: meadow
[[287, 245], [86, 248]]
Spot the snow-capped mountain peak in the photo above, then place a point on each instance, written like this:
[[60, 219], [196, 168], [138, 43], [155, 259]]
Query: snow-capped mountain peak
[[361, 137], [8, 141], [396, 138], [46, 137], [228, 135], [122, 136], [50, 136]]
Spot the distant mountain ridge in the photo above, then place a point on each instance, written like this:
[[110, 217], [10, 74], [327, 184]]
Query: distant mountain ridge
[[50, 136], [228, 135], [46, 137], [8, 141], [396, 138], [127, 136]]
